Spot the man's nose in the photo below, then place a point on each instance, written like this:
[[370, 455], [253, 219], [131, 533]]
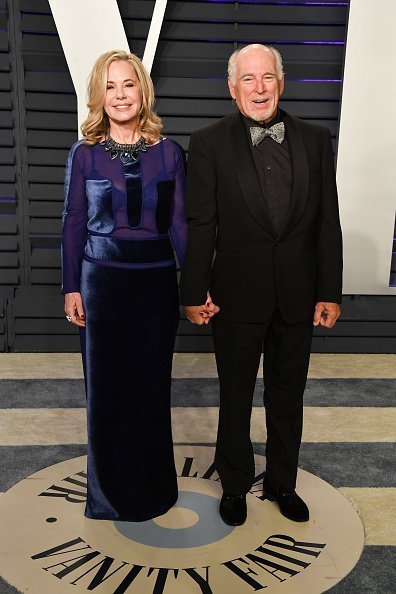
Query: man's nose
[[260, 86]]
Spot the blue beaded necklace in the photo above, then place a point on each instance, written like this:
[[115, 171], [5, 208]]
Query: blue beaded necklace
[[128, 153]]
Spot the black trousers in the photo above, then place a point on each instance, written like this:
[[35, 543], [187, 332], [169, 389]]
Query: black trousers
[[238, 347]]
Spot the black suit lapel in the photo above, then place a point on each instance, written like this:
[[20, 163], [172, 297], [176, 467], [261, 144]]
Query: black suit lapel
[[300, 173], [247, 174]]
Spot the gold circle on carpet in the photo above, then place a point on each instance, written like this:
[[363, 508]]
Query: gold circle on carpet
[[48, 545]]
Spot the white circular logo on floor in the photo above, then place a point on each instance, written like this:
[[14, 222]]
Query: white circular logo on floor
[[47, 545]]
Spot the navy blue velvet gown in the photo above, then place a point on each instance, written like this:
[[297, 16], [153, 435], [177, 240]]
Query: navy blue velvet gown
[[119, 225]]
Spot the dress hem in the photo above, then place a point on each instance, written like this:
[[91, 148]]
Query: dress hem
[[160, 512]]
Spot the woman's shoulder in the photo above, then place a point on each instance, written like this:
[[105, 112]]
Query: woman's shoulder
[[80, 152], [82, 147], [77, 149]]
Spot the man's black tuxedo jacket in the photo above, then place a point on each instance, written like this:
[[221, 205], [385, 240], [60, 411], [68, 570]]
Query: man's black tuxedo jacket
[[232, 249]]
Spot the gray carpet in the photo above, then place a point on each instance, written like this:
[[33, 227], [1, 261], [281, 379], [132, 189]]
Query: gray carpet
[[374, 573], [5, 588], [65, 393], [341, 464]]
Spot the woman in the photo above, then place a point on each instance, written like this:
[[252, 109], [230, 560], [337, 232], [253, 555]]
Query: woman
[[124, 192]]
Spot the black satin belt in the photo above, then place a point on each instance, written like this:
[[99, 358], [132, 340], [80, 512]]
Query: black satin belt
[[114, 249]]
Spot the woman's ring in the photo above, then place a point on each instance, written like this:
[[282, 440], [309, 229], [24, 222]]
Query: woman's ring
[[68, 318]]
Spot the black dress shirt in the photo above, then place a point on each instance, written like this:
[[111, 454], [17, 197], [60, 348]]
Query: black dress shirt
[[274, 168]]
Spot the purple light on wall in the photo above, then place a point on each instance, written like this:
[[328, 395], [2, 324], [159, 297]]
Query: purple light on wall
[[320, 42], [42, 33], [307, 3], [282, 42], [331, 80], [281, 2], [31, 11]]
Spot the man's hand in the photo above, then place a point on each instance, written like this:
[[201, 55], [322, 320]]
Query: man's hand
[[201, 314], [326, 314], [74, 309]]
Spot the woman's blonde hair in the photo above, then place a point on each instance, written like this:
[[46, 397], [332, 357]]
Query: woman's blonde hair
[[96, 126]]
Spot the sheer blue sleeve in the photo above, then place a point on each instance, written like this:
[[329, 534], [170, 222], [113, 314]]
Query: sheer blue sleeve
[[178, 223], [74, 233]]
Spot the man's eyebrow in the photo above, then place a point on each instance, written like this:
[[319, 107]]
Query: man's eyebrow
[[269, 73]]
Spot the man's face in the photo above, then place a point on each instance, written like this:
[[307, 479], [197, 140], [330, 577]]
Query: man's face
[[255, 88]]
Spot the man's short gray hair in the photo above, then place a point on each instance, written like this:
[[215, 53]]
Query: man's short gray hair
[[270, 48]]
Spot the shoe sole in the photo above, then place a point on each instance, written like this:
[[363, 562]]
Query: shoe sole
[[233, 523], [271, 498], [237, 524]]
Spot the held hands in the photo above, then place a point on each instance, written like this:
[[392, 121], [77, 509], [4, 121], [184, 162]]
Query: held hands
[[326, 314], [201, 314], [74, 309]]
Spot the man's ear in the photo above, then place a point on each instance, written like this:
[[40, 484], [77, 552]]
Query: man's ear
[[282, 84], [231, 88]]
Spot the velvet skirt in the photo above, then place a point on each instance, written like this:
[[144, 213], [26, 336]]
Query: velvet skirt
[[127, 347]]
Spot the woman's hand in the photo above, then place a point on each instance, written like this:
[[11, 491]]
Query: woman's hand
[[74, 309], [201, 314]]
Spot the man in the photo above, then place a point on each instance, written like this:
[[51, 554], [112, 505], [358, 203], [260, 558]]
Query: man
[[261, 192]]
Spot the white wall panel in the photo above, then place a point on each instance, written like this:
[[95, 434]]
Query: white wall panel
[[367, 147], [87, 28]]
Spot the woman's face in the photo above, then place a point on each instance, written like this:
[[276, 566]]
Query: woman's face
[[123, 95]]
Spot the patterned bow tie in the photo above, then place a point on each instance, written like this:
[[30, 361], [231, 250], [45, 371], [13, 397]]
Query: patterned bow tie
[[276, 132]]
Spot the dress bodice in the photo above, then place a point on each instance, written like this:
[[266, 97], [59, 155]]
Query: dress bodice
[[123, 215]]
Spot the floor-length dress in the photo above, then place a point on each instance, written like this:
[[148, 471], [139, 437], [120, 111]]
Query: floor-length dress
[[120, 221]]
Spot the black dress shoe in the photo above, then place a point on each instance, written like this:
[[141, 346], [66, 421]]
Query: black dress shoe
[[290, 504], [233, 509]]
